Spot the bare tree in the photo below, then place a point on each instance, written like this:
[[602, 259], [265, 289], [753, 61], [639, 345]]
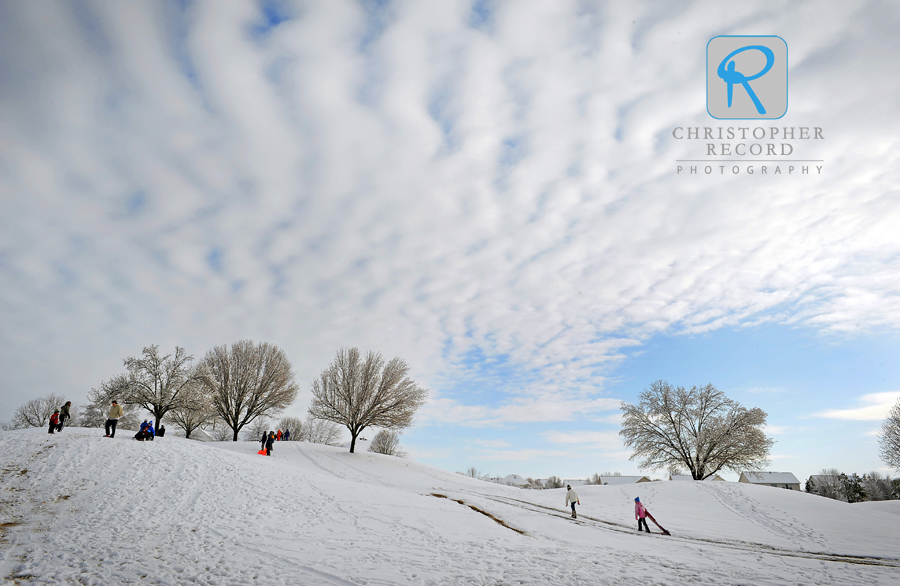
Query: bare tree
[[359, 393], [473, 472], [320, 431], [249, 381], [294, 425], [95, 413], [828, 483], [158, 383], [254, 431], [387, 442], [36, 412], [554, 482], [194, 408], [699, 428], [889, 438]]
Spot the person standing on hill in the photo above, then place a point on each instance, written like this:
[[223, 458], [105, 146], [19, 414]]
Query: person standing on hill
[[278, 437], [54, 421], [640, 513], [269, 443], [572, 497], [287, 435], [115, 412], [263, 440], [64, 415]]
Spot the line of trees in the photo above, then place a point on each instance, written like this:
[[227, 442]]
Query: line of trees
[[240, 387], [852, 488]]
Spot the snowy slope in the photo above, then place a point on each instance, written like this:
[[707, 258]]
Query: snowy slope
[[80, 508]]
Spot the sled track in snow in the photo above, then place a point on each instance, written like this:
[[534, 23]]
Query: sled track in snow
[[738, 545]]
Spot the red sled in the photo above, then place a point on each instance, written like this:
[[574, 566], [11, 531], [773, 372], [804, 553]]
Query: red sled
[[261, 452]]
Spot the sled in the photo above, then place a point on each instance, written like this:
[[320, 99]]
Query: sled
[[263, 453], [661, 528]]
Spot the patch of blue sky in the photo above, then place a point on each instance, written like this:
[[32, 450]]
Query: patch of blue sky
[[177, 16], [481, 15], [271, 14], [770, 363], [131, 205], [377, 17], [91, 27], [488, 376], [440, 111], [214, 260]]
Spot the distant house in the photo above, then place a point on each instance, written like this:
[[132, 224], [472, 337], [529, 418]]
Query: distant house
[[513, 480], [614, 480], [713, 478], [826, 483], [575, 482], [776, 479]]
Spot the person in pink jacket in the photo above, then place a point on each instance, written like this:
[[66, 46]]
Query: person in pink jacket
[[640, 513]]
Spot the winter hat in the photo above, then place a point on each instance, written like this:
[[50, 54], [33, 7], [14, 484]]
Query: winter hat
[[637, 499]]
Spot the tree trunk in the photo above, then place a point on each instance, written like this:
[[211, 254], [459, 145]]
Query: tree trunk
[[353, 440], [235, 435]]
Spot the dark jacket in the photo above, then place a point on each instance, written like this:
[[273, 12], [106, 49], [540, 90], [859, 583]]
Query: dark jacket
[[270, 442]]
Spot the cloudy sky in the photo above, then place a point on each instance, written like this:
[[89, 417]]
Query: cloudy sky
[[488, 189]]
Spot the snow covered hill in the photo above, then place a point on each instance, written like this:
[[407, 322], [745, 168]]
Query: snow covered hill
[[78, 508]]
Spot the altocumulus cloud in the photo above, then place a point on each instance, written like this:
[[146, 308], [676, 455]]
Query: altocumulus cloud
[[434, 180]]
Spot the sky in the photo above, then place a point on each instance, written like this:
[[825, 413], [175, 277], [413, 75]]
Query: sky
[[486, 189]]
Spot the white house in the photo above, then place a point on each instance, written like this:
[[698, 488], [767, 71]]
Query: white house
[[776, 479], [575, 482], [713, 478], [513, 480], [615, 480]]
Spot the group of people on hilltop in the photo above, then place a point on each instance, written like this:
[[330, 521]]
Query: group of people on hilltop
[[59, 418], [145, 433], [269, 438]]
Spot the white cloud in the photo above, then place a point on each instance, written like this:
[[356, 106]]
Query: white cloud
[[605, 440], [874, 407], [436, 191]]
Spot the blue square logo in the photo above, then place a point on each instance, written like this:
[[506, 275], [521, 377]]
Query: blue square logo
[[746, 77]]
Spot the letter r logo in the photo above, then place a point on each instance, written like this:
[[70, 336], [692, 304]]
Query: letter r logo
[[746, 77]]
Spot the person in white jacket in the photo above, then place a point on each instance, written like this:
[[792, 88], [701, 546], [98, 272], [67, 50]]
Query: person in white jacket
[[572, 497]]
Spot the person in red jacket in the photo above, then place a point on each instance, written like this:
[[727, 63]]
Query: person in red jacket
[[640, 513], [54, 421]]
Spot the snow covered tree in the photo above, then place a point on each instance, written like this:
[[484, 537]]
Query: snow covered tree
[[295, 425], [35, 412], [95, 413], [554, 482], [828, 483], [877, 486], [889, 438], [358, 393], [320, 431], [194, 408], [248, 381], [387, 442], [153, 382], [700, 429], [854, 491]]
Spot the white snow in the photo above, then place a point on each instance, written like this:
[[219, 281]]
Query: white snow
[[78, 508]]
